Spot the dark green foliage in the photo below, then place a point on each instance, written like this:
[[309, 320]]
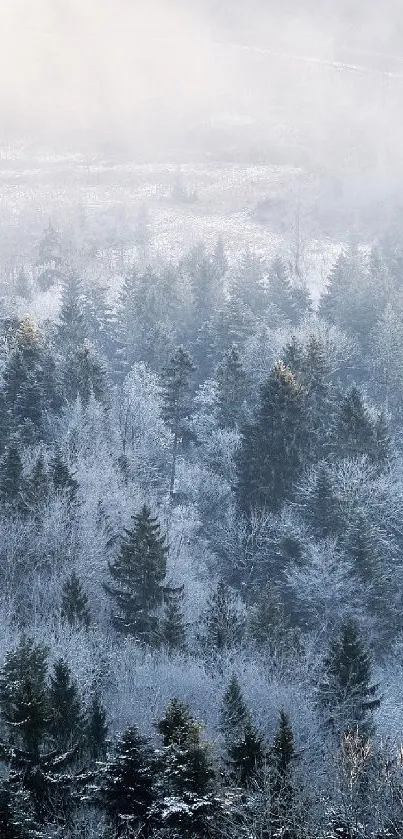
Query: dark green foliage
[[319, 505], [96, 729], [282, 755], [85, 375], [176, 399], [245, 752], [127, 785], [138, 573], [62, 478], [11, 478], [37, 488], [185, 800], [346, 693], [268, 626], [355, 432], [23, 696], [173, 629], [231, 392], [65, 712], [234, 711], [74, 604], [289, 300], [273, 449], [16, 813], [223, 626]]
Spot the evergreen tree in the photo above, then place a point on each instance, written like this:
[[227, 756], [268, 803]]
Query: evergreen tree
[[319, 505], [84, 375], [354, 433], [231, 381], [137, 576], [223, 627], [49, 258], [72, 328], [127, 787], [287, 299], [23, 696], [234, 712], [74, 605], [97, 729], [176, 396], [247, 755], [340, 302], [173, 630], [346, 692], [65, 713], [11, 477], [273, 447], [185, 786], [37, 487], [282, 755], [17, 819], [62, 479]]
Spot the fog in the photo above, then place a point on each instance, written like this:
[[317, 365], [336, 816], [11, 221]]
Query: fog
[[325, 80]]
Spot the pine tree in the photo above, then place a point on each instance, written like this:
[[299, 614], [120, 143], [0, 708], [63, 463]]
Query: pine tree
[[127, 786], [65, 712], [231, 381], [137, 574], [96, 729], [23, 696], [176, 400], [173, 630], [346, 693], [74, 605], [223, 627], [271, 456]]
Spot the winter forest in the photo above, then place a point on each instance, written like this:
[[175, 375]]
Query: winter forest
[[201, 456]]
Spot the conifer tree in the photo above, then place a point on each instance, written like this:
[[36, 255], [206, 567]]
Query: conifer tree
[[223, 627], [17, 820], [234, 711], [319, 505], [186, 775], [176, 396], [74, 605], [23, 696], [173, 630], [72, 329], [354, 431], [273, 447], [127, 786], [22, 287], [49, 258], [346, 693], [63, 480], [37, 487], [137, 576], [231, 381], [84, 375], [282, 755], [244, 747], [65, 712], [11, 477], [96, 729]]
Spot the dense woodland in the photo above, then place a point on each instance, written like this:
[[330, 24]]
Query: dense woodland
[[201, 554]]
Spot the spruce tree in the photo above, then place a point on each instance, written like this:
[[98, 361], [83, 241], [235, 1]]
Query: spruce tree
[[11, 477], [17, 819], [37, 487], [22, 286], [282, 755], [96, 729], [234, 711], [231, 381], [137, 576], [274, 445], [173, 629], [346, 692], [65, 712], [63, 480], [319, 505], [223, 627], [74, 605], [24, 697], [186, 775], [127, 785], [354, 432], [49, 258], [72, 328], [176, 400], [244, 749], [84, 375]]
